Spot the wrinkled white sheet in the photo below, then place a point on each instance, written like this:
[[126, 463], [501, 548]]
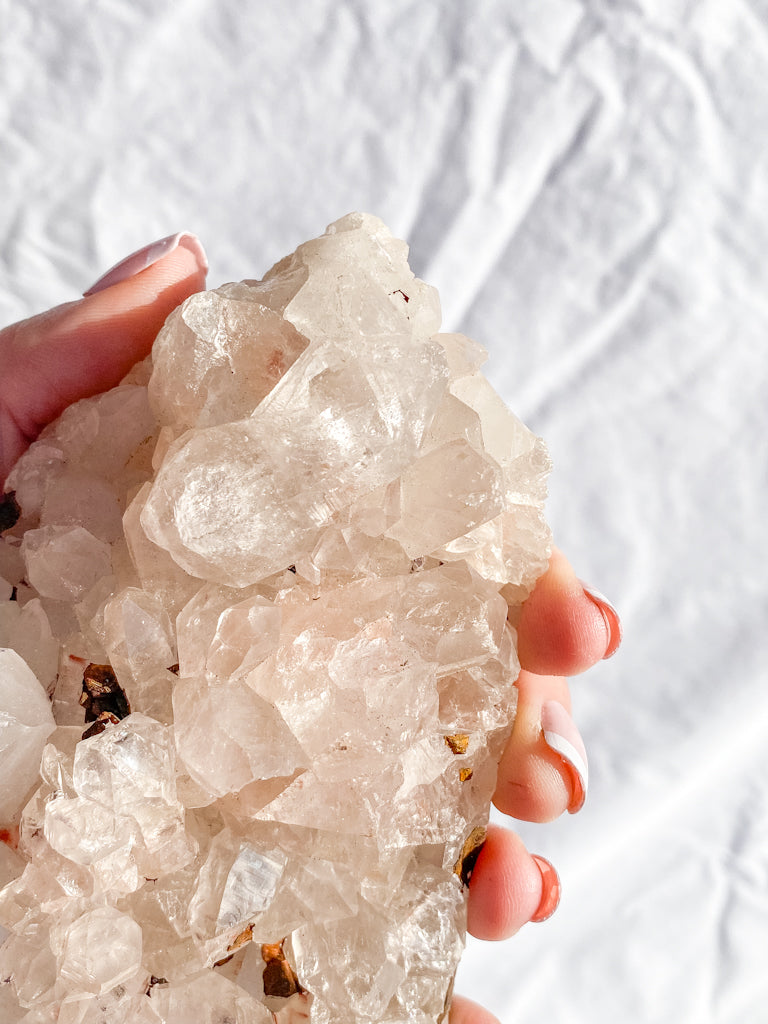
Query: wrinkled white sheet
[[586, 183]]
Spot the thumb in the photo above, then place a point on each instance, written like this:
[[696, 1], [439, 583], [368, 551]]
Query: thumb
[[85, 347]]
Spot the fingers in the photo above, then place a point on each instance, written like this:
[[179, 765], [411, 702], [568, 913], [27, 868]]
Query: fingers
[[543, 770], [509, 887], [565, 627], [85, 347]]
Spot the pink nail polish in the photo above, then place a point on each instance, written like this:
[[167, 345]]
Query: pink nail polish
[[610, 616], [143, 258], [550, 889], [562, 736]]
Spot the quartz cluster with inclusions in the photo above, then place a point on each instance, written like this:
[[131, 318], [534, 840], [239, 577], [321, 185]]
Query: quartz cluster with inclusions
[[258, 669]]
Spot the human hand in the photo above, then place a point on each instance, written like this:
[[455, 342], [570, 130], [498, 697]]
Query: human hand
[[564, 629], [86, 347]]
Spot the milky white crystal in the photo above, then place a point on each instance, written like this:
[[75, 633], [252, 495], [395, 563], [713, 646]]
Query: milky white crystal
[[267, 580], [26, 722], [100, 950]]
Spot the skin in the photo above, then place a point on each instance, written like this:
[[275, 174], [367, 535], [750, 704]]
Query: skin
[[85, 347]]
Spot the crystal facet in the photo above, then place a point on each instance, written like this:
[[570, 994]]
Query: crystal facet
[[26, 722], [266, 582]]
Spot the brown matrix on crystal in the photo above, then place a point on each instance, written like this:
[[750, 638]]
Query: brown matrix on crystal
[[272, 569]]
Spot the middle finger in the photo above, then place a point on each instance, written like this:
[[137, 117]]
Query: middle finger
[[543, 770]]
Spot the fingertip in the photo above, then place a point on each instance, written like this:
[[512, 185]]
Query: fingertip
[[535, 789], [565, 627], [150, 255], [506, 888], [465, 1011], [540, 775], [146, 297]]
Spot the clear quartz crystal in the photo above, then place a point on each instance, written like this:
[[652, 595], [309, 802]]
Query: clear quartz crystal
[[26, 722], [270, 575]]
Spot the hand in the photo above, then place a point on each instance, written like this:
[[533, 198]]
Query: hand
[[563, 630], [86, 347]]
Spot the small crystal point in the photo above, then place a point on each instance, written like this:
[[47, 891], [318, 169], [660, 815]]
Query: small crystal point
[[266, 583], [101, 950], [26, 722]]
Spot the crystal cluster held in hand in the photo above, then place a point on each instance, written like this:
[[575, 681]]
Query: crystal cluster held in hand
[[257, 668]]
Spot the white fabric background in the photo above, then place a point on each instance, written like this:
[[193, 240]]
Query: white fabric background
[[586, 183]]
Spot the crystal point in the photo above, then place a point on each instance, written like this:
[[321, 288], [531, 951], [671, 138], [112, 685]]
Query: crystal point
[[26, 722], [266, 583]]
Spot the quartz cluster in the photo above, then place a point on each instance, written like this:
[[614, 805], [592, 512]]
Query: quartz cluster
[[258, 668]]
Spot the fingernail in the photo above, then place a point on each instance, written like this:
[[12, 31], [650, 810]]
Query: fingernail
[[550, 889], [143, 258], [610, 616], [562, 736]]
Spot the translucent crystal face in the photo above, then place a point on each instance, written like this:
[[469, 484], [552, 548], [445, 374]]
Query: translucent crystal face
[[265, 584], [26, 722]]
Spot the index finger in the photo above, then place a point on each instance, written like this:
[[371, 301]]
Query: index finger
[[565, 626]]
